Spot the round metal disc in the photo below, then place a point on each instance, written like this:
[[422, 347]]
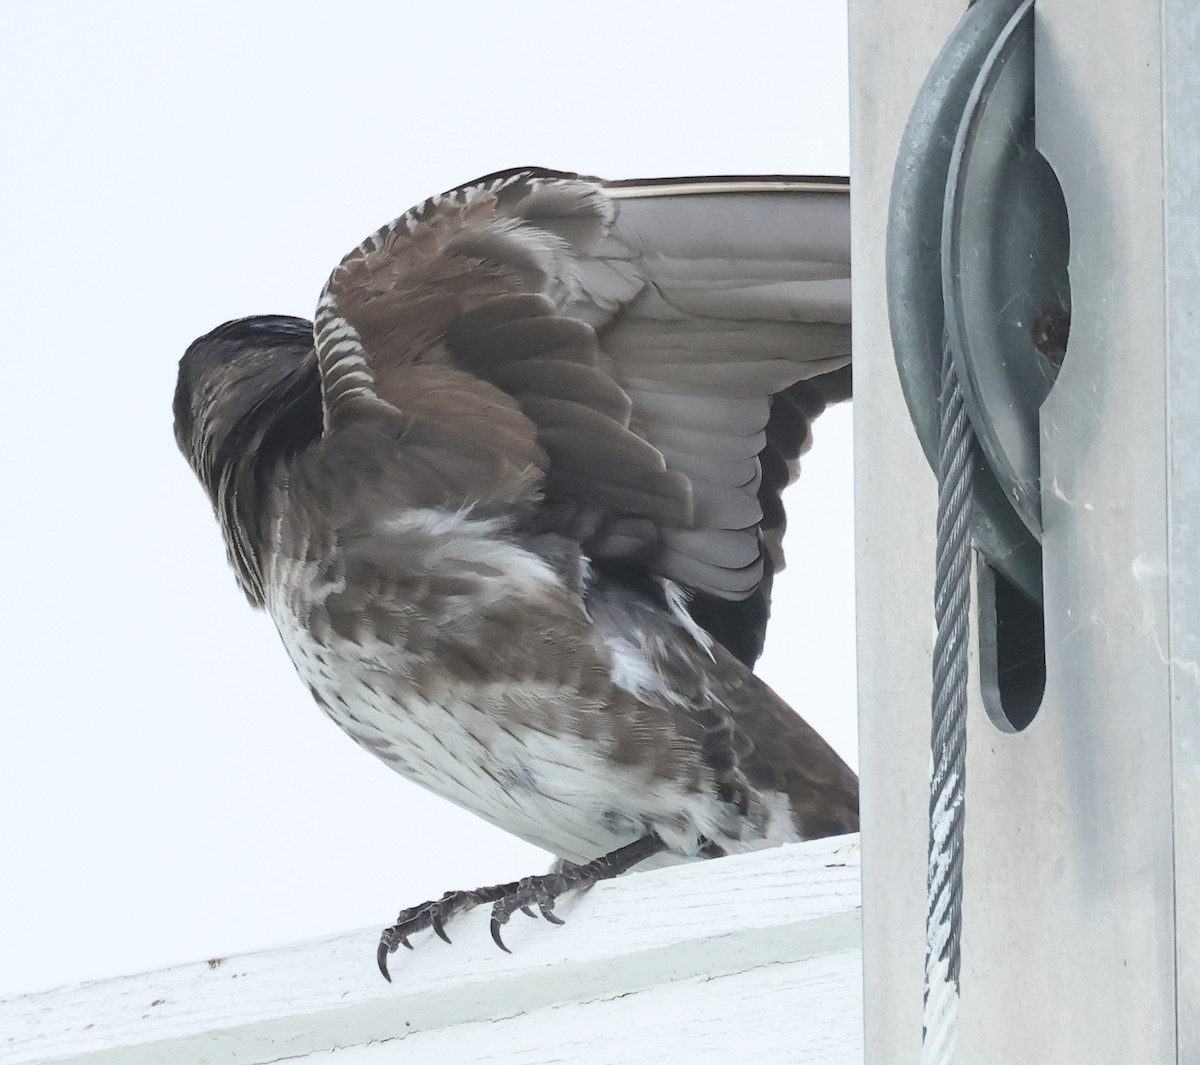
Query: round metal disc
[[1004, 265]]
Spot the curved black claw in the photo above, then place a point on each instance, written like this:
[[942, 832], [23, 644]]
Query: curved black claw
[[547, 911], [435, 919], [388, 942], [496, 936]]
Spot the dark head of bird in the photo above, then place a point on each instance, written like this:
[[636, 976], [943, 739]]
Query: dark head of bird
[[248, 396]]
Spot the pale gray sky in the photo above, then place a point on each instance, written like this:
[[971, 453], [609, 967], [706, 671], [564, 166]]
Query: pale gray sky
[[168, 790]]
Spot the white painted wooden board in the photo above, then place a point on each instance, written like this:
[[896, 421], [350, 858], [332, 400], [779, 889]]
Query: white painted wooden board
[[751, 958]]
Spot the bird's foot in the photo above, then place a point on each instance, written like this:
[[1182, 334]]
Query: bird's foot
[[540, 891], [434, 914]]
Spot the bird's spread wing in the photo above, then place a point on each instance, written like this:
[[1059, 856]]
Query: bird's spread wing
[[642, 359]]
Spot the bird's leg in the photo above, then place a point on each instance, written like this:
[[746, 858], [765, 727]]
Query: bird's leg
[[540, 891], [543, 891]]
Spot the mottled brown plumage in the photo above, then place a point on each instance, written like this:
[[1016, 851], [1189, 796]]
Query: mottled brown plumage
[[516, 508]]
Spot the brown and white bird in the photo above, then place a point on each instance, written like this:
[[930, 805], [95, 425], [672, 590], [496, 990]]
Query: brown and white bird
[[513, 502]]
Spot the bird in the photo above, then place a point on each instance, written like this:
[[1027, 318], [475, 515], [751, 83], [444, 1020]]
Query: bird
[[512, 499]]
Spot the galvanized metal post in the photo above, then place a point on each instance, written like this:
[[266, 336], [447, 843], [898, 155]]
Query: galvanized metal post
[[1081, 937]]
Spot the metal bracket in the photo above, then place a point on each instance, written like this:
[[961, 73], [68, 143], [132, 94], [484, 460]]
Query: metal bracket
[[977, 252]]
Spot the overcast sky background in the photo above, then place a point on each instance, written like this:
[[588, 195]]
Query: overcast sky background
[[168, 790]]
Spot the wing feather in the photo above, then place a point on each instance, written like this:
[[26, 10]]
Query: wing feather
[[666, 349]]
